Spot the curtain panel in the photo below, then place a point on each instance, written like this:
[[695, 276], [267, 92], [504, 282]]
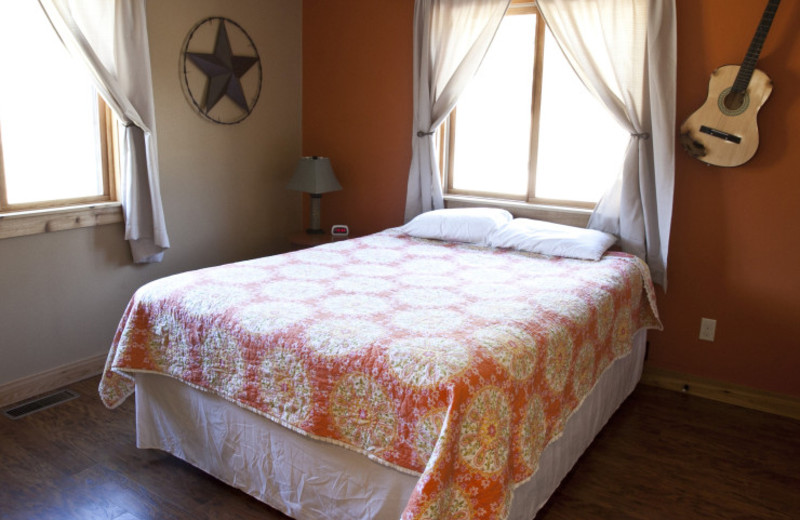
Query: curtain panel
[[110, 38], [451, 38], [624, 51]]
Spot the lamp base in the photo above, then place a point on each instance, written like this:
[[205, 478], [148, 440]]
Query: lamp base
[[314, 226]]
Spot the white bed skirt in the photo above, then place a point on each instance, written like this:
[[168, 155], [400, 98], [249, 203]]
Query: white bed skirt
[[310, 479]]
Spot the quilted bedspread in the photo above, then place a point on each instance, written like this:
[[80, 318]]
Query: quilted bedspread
[[454, 362]]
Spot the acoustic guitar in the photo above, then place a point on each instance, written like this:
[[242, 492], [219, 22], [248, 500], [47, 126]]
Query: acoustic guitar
[[724, 132]]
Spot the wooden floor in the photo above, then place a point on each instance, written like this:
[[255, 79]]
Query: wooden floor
[[664, 455]]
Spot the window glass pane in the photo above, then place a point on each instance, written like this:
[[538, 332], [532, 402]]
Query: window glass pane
[[581, 146], [493, 120], [48, 113]]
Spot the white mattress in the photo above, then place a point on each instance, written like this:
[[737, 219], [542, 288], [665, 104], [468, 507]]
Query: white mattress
[[309, 479]]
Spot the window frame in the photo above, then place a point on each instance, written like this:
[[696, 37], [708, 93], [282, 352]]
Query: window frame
[[60, 214], [446, 140]]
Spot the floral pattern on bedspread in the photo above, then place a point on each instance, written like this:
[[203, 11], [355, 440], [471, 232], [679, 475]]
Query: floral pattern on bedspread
[[455, 362]]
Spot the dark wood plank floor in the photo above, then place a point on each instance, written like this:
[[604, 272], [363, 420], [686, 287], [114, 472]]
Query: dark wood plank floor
[[664, 455]]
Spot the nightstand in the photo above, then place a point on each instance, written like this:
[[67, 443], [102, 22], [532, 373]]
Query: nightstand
[[302, 240]]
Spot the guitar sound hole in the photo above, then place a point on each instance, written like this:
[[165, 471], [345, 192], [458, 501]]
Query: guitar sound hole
[[734, 100], [733, 103]]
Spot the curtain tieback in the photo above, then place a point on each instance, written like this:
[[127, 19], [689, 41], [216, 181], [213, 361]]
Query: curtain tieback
[[643, 135], [423, 134]]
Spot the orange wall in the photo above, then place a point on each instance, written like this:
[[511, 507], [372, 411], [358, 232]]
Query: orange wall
[[357, 100], [735, 247]]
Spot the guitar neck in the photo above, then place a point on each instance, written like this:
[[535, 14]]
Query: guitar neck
[[753, 52]]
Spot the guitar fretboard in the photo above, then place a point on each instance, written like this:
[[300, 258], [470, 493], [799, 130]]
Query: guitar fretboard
[[753, 52]]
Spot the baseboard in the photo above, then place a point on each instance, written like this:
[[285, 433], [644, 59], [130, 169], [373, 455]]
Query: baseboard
[[58, 377], [779, 404]]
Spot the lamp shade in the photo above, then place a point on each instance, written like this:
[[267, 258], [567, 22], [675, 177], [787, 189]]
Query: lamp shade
[[314, 175]]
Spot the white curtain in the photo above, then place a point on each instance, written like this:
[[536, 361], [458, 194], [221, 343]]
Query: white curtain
[[110, 38], [451, 38], [624, 51]]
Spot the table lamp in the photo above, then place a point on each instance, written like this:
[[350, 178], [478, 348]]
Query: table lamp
[[314, 176]]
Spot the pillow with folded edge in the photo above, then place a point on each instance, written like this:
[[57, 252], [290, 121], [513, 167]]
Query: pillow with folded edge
[[473, 225], [548, 238]]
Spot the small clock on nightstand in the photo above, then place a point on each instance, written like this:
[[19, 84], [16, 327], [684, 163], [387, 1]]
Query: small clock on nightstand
[[302, 240], [340, 231]]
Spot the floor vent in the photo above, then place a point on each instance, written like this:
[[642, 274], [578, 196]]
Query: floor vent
[[39, 403]]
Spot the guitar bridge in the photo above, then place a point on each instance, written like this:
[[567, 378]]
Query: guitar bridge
[[725, 136]]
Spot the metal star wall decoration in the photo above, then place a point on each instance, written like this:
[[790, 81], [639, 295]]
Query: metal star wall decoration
[[223, 71]]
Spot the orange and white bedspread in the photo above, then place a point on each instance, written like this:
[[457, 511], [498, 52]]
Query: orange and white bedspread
[[454, 362]]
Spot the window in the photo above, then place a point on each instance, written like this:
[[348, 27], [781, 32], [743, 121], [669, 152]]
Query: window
[[57, 138], [526, 128]]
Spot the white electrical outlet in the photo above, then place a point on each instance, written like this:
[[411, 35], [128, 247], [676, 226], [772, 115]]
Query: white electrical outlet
[[707, 329]]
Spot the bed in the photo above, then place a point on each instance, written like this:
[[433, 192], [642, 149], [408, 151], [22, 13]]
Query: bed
[[388, 376]]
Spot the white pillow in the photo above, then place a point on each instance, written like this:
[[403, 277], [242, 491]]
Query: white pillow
[[552, 239], [458, 224]]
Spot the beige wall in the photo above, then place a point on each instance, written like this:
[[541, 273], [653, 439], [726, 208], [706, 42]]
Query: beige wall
[[222, 186]]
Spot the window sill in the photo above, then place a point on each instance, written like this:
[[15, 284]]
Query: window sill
[[34, 222], [578, 217]]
